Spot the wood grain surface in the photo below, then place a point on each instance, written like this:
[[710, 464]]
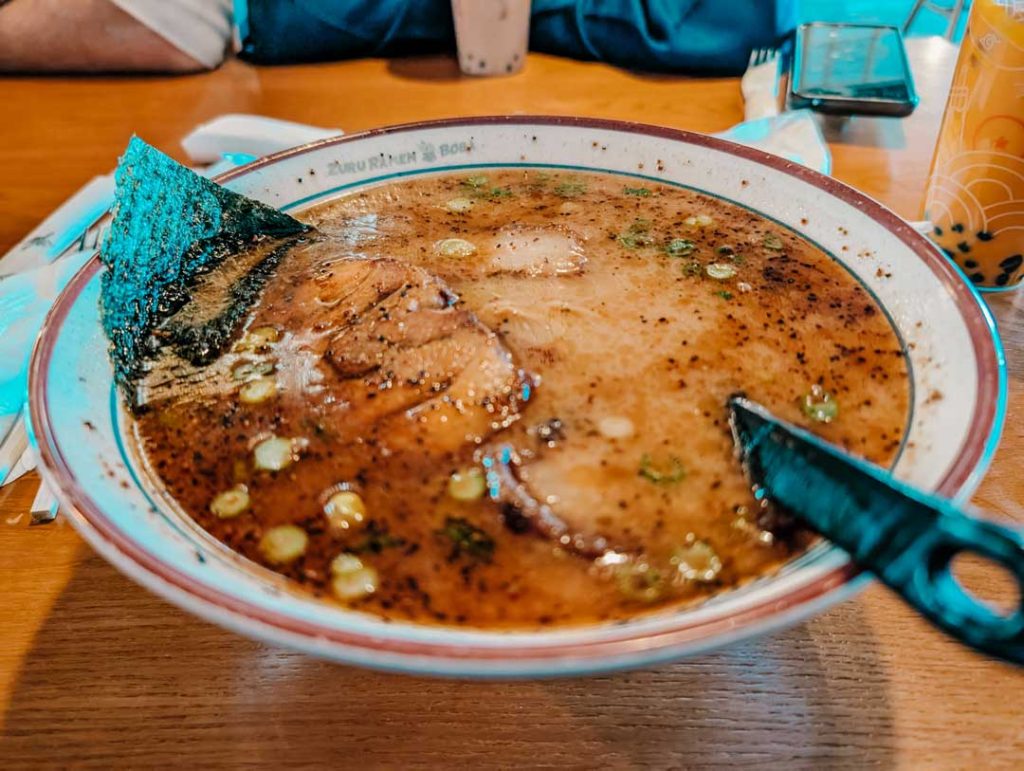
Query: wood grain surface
[[94, 671]]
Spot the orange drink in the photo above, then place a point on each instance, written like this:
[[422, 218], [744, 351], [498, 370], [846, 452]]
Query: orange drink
[[975, 198]]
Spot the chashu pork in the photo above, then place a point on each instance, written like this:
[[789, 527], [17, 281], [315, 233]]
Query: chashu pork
[[379, 351]]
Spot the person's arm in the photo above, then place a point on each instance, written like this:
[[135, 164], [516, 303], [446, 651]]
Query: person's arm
[[82, 36]]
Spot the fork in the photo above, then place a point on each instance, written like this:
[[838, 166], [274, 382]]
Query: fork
[[762, 55], [91, 237], [760, 83]]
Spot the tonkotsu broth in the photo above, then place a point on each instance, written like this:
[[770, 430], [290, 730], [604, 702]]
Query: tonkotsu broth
[[579, 334]]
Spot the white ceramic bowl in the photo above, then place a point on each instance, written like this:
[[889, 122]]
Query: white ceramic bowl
[[949, 336]]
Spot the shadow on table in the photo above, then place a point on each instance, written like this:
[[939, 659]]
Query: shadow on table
[[117, 677], [872, 132], [433, 68]]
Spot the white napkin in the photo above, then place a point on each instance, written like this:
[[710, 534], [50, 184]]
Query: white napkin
[[58, 232], [794, 135], [254, 135], [23, 465], [25, 299]]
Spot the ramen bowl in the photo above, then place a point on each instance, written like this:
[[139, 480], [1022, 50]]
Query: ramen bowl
[[957, 393]]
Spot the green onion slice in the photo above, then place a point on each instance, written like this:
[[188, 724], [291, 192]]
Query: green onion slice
[[721, 271], [819, 405], [662, 474]]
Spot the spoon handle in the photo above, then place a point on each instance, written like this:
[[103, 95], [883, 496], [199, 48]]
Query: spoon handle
[[906, 537], [913, 554]]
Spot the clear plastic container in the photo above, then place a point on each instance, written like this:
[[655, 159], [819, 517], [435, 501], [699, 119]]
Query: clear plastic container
[[492, 35], [975, 198]]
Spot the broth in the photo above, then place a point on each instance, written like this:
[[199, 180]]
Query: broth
[[498, 400]]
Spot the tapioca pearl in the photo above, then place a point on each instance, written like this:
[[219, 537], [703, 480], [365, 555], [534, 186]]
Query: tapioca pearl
[[984, 235], [957, 228], [977, 278], [1011, 264], [970, 264], [937, 230], [1002, 279], [964, 247]]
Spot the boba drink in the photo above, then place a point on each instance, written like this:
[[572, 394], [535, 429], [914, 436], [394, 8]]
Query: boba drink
[[975, 197], [492, 35]]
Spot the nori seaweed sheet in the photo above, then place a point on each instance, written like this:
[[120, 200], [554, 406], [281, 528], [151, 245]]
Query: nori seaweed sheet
[[200, 344], [170, 226]]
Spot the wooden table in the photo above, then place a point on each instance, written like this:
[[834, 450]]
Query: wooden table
[[96, 671]]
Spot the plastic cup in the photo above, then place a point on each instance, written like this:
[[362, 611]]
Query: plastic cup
[[492, 35], [975, 198]]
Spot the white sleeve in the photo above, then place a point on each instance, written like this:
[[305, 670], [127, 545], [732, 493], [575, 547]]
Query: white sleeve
[[199, 28]]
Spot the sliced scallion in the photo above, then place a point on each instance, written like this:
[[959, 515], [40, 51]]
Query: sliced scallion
[[696, 561], [274, 454], [283, 544], [345, 510], [637, 234], [640, 582], [569, 189], [258, 391], [699, 221], [248, 370], [468, 485], [230, 503], [679, 247], [351, 578], [467, 539], [476, 182], [455, 247], [257, 338], [720, 271], [819, 405], [665, 473]]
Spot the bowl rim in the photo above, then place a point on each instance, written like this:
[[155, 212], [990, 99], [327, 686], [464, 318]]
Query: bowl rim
[[959, 481]]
